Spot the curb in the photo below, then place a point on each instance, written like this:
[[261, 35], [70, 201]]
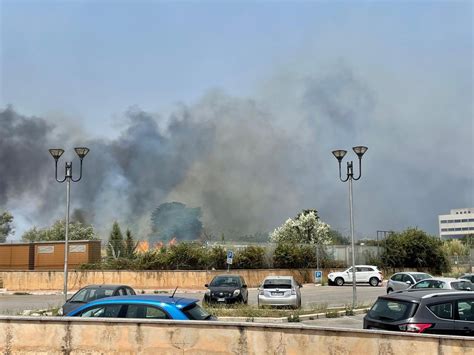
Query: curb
[[303, 317]]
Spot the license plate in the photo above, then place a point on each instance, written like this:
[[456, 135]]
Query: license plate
[[277, 293], [221, 300]]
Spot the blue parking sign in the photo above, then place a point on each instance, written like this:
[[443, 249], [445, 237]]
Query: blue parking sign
[[230, 254], [318, 277]]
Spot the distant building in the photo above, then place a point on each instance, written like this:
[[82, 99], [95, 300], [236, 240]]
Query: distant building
[[457, 224]]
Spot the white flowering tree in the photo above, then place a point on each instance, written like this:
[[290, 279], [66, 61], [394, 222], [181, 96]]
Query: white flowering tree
[[306, 228]]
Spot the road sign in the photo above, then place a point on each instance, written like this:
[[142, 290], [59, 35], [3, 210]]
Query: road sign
[[230, 256], [318, 277]]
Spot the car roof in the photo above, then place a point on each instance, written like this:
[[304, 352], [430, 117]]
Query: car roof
[[365, 266], [411, 295], [412, 272], [177, 301], [105, 286], [445, 279]]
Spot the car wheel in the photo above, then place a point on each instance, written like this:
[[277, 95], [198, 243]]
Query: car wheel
[[389, 291], [374, 281], [339, 281]]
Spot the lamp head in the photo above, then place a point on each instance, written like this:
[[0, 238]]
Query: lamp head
[[56, 153], [360, 150], [339, 154], [81, 152]]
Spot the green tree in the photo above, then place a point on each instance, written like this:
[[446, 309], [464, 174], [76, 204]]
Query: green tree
[[337, 238], [130, 245], [413, 248], [116, 245], [77, 231], [6, 227]]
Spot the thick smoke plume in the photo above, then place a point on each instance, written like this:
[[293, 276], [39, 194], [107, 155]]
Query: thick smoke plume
[[252, 163]]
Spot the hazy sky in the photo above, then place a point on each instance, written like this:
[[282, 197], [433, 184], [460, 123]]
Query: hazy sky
[[395, 76]]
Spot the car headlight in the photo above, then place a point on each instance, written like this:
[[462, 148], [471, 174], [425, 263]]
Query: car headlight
[[236, 293], [260, 292], [60, 311], [208, 292]]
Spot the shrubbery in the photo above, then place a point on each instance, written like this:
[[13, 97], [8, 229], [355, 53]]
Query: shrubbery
[[186, 256]]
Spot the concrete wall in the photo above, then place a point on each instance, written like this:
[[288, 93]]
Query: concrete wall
[[53, 280], [79, 336]]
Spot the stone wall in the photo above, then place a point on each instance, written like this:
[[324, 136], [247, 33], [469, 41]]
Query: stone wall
[[80, 336], [53, 280]]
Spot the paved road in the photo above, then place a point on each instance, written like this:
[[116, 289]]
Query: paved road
[[312, 296]]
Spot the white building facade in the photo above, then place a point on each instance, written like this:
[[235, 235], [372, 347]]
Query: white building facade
[[459, 223]]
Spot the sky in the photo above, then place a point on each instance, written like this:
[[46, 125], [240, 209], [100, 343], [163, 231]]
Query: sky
[[235, 107]]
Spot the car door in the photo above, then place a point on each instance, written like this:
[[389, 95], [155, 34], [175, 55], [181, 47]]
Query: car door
[[143, 311], [348, 275], [444, 321], [396, 282], [407, 281], [464, 317]]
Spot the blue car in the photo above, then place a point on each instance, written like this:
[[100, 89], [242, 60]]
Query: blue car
[[143, 307]]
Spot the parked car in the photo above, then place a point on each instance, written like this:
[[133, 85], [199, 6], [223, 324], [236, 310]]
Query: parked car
[[403, 280], [279, 291], [445, 283], [94, 292], [424, 311], [469, 277], [143, 307], [364, 273], [226, 289]]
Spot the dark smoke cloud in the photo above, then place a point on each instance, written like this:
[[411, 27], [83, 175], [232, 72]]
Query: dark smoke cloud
[[252, 163]]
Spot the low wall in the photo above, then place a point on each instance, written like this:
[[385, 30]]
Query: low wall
[[53, 280], [65, 336]]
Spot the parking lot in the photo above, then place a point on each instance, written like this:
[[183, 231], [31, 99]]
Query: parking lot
[[312, 296]]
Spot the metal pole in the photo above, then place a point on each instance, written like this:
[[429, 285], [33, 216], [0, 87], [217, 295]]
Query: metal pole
[[66, 239], [354, 290]]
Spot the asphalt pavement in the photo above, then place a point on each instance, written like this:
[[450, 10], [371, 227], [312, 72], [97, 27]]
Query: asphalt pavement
[[312, 296]]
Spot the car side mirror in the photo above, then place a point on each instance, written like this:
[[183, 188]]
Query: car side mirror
[[206, 285], [408, 282], [300, 285], [244, 286]]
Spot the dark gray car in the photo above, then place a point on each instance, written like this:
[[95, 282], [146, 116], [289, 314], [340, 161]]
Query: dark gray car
[[426, 311], [92, 293]]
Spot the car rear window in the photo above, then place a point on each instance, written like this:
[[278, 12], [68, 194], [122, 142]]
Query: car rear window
[[391, 310], [277, 283], [462, 285], [196, 312]]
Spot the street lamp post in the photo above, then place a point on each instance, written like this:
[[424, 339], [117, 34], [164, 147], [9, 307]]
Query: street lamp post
[[56, 154], [339, 154]]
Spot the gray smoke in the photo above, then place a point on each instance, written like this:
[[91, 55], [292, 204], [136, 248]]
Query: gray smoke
[[252, 163]]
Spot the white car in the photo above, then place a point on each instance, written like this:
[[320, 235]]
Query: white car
[[364, 273]]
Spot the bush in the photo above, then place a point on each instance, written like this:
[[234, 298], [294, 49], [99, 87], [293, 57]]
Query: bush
[[217, 258], [251, 257], [187, 256]]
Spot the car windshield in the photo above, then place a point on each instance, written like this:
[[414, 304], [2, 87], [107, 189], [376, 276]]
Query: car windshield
[[225, 281], [419, 277], [391, 310], [196, 312], [277, 283], [91, 294]]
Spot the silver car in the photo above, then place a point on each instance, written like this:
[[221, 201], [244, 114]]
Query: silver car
[[444, 282], [403, 280], [279, 291]]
